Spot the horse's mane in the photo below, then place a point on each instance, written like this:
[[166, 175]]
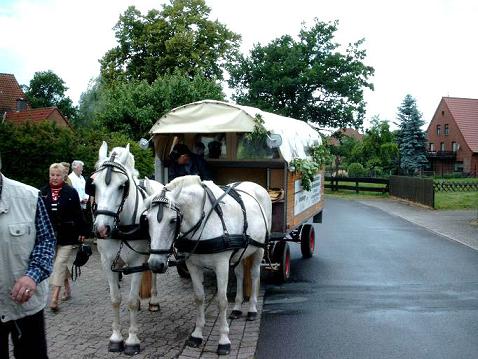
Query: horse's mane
[[129, 160], [183, 181]]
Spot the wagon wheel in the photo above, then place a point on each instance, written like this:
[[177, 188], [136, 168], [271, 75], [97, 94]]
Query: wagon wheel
[[307, 240], [281, 255], [183, 270]]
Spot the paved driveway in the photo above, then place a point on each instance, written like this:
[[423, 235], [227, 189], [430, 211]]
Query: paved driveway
[[82, 327]]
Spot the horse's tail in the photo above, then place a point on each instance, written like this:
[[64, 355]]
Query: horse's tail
[[146, 284]]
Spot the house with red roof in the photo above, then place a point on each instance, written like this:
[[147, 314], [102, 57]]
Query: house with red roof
[[453, 136], [344, 132], [14, 108]]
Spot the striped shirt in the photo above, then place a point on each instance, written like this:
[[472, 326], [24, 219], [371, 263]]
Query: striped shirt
[[41, 258]]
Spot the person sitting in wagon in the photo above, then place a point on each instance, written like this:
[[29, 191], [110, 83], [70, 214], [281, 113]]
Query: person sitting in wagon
[[184, 162]]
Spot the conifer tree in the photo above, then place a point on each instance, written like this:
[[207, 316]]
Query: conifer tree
[[411, 138]]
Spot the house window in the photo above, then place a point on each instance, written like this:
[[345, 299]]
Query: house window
[[442, 146], [432, 147], [438, 130], [443, 113], [446, 129], [454, 146]]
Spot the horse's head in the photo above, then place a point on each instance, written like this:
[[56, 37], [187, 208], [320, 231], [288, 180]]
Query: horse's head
[[165, 217], [111, 181], [164, 220]]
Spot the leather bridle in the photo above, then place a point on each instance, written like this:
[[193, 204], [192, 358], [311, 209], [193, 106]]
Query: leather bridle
[[110, 166], [162, 201]]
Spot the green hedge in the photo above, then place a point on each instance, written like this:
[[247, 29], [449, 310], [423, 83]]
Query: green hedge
[[28, 150]]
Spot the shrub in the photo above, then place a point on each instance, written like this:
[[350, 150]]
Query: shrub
[[28, 150], [355, 170]]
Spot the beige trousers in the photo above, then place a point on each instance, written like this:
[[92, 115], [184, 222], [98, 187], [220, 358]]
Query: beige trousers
[[60, 267]]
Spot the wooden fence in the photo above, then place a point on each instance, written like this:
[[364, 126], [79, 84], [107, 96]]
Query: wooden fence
[[449, 186], [415, 189], [356, 184]]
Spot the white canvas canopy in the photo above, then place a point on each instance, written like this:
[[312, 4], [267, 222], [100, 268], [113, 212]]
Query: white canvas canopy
[[211, 116]]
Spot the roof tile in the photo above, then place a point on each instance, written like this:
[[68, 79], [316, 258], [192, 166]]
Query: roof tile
[[465, 113], [10, 91]]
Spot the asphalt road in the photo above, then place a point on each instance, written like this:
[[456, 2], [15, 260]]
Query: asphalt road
[[378, 287]]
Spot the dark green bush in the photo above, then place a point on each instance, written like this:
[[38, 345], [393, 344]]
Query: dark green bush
[[355, 170], [28, 150]]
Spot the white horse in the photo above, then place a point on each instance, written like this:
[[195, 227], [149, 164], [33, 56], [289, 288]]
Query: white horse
[[215, 230], [119, 205]]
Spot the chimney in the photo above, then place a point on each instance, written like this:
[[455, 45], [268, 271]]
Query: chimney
[[21, 104]]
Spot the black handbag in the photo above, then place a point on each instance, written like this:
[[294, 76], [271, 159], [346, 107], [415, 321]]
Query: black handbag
[[84, 252]]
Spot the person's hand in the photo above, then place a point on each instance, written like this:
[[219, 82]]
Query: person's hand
[[23, 289], [84, 201]]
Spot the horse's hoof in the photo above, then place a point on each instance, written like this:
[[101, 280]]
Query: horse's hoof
[[153, 307], [194, 342], [132, 349], [251, 316], [115, 347], [223, 349], [235, 314]]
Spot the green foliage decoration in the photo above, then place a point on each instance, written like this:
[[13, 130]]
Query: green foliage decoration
[[307, 169], [320, 154], [254, 145], [259, 133]]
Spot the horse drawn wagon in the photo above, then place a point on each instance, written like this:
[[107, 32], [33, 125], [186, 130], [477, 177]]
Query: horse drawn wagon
[[241, 143]]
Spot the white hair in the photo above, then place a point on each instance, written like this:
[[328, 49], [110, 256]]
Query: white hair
[[77, 163]]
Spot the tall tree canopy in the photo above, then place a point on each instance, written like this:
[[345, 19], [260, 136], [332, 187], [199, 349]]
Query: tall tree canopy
[[378, 151], [411, 138], [133, 107], [178, 38], [47, 89], [308, 78]]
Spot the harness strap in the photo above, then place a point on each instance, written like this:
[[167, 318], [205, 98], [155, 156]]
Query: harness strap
[[194, 228], [217, 208], [216, 245], [130, 232]]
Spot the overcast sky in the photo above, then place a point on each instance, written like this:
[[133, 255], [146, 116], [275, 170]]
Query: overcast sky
[[426, 48]]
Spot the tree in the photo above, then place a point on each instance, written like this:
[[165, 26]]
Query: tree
[[379, 150], [47, 89], [89, 103], [179, 38], [411, 138], [133, 107], [308, 78]]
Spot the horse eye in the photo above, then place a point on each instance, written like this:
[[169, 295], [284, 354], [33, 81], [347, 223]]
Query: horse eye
[[173, 220]]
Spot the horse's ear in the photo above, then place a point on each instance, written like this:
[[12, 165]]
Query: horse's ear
[[103, 152], [125, 154], [147, 186]]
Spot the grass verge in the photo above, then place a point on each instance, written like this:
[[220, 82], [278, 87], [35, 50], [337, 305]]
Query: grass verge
[[345, 194], [456, 200]]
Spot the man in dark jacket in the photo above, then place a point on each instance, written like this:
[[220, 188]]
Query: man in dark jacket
[[184, 162]]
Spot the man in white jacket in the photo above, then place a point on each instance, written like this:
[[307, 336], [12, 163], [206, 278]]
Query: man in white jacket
[[27, 248], [78, 181]]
